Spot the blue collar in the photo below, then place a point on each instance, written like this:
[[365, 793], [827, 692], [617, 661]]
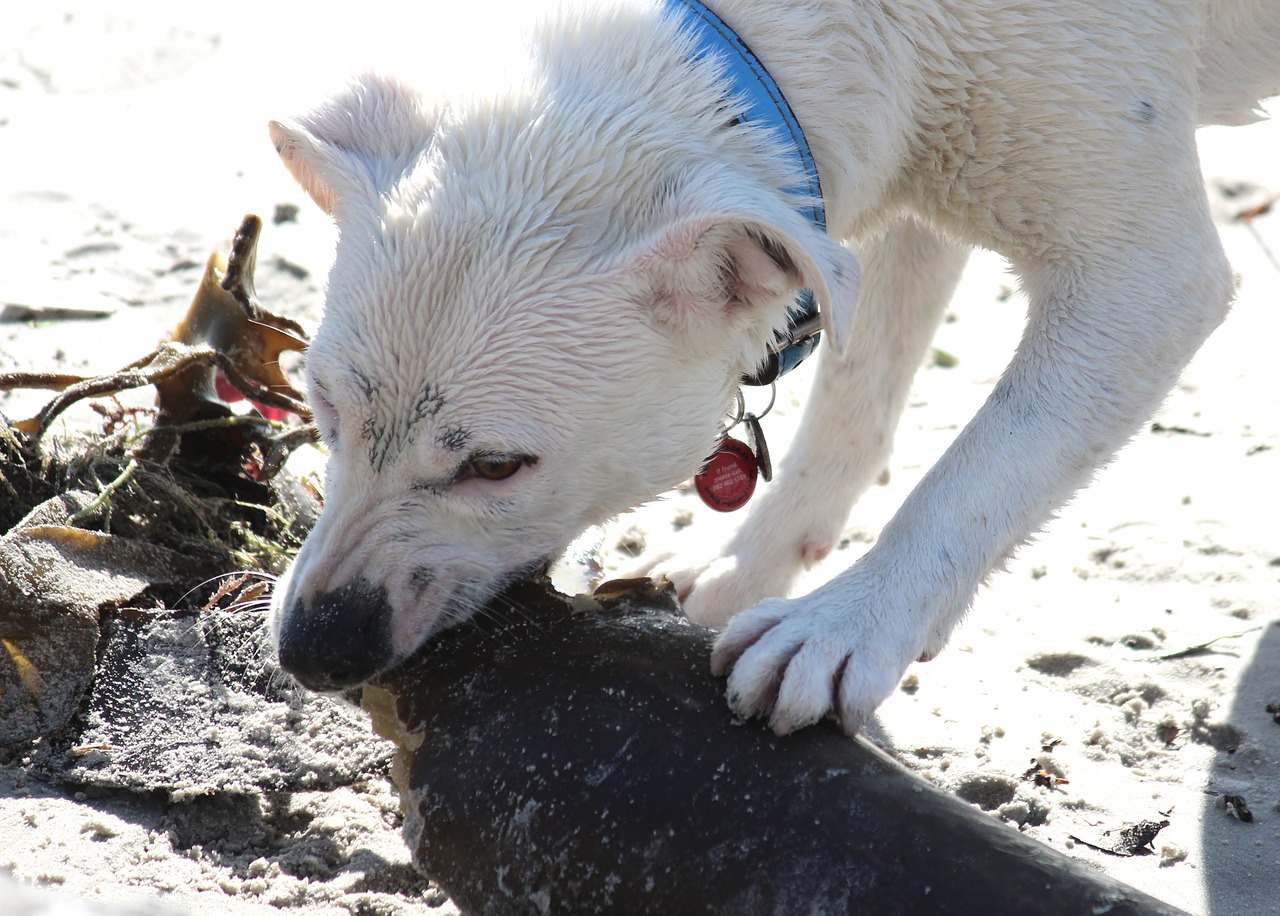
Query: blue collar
[[764, 105]]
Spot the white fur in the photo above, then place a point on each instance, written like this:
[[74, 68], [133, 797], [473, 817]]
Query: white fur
[[580, 266]]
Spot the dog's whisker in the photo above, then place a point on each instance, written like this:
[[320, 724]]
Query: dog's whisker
[[252, 605]]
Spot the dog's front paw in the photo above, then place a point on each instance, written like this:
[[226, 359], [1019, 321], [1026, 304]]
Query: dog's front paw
[[798, 660], [727, 585], [713, 587]]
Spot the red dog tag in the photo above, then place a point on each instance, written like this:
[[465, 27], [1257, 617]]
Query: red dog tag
[[728, 478]]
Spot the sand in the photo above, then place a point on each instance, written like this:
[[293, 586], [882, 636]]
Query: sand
[[132, 142]]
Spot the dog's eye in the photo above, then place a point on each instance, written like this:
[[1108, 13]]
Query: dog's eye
[[495, 467]]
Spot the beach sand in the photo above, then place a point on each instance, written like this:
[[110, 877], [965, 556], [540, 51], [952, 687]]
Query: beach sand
[[132, 142]]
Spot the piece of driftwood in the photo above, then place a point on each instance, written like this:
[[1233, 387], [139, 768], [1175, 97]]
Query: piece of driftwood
[[577, 756]]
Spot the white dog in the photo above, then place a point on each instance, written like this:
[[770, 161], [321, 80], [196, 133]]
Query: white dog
[[544, 297]]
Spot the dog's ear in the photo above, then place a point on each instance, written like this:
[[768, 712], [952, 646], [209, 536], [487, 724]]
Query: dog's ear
[[841, 275], [750, 258], [357, 142]]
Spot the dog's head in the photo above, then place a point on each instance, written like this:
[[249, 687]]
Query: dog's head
[[536, 318]]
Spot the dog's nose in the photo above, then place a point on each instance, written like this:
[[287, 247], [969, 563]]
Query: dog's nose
[[339, 639]]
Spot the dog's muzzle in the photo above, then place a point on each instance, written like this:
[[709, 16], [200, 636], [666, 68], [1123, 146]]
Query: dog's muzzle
[[339, 639]]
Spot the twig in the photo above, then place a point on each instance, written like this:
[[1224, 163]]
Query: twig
[[167, 360], [1249, 214], [1262, 243], [1107, 849], [104, 497], [1201, 647], [51, 381], [1247, 217], [222, 423]]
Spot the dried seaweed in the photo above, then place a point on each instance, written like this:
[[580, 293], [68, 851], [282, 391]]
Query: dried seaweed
[[143, 513], [225, 329]]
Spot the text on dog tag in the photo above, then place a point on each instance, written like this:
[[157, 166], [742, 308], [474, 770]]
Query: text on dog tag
[[728, 478]]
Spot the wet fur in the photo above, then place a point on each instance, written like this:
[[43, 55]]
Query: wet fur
[[575, 270]]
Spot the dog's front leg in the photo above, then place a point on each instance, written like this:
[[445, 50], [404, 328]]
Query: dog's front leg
[[1107, 336], [844, 438]]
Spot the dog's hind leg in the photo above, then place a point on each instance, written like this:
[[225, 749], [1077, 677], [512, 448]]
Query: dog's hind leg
[[845, 435]]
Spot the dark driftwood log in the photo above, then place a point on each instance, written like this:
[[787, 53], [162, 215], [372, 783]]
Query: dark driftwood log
[[586, 762]]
